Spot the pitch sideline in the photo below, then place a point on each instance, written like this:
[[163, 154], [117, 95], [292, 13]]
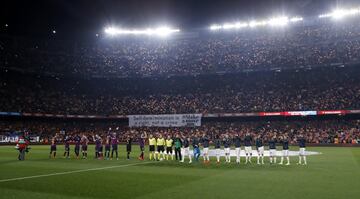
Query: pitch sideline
[[70, 172]]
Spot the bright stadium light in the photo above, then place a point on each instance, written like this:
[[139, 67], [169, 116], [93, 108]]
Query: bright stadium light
[[254, 24], [228, 26], [241, 25], [111, 31], [340, 13], [278, 21], [161, 31], [296, 19], [215, 27], [164, 31]]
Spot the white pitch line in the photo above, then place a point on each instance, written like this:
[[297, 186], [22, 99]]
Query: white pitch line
[[70, 172]]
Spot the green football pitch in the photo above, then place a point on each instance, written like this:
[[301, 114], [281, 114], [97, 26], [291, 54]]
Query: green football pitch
[[333, 174]]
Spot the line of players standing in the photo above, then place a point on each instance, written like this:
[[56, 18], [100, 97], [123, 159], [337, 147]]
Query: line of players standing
[[225, 143], [181, 145], [81, 143]]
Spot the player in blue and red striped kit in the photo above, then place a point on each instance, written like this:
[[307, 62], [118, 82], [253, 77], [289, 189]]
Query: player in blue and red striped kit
[[77, 140], [67, 141], [53, 147], [84, 146], [142, 145], [98, 147], [107, 147], [114, 146]]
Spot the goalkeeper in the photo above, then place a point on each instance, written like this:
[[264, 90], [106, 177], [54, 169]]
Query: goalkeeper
[[195, 143]]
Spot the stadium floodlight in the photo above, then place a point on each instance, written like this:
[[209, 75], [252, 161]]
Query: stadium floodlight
[[296, 19], [111, 30], [254, 24], [215, 27], [161, 31], [340, 13], [228, 26], [241, 25], [278, 21]]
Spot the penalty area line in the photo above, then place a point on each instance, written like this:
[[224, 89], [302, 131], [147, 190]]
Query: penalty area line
[[75, 171]]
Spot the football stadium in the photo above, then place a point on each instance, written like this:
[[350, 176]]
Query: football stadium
[[180, 99]]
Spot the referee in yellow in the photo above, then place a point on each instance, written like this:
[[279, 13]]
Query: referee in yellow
[[169, 144], [160, 143], [152, 144]]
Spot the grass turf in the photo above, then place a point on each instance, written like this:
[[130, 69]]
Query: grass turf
[[333, 174]]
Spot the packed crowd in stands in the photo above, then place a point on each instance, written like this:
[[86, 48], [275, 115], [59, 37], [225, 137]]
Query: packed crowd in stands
[[325, 88], [300, 68], [316, 131], [320, 44]]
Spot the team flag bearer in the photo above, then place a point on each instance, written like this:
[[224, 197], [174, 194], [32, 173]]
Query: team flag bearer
[[285, 151], [260, 149], [301, 140], [169, 151]]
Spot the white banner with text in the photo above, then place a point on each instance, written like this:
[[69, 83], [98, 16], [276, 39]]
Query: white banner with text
[[171, 120]]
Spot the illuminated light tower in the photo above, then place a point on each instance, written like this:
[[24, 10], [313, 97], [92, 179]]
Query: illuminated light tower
[[341, 13], [161, 31], [278, 21], [215, 27]]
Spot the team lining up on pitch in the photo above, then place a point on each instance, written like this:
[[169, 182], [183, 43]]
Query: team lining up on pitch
[[178, 147]]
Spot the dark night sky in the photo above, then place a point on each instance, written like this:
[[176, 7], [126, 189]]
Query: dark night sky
[[74, 18]]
